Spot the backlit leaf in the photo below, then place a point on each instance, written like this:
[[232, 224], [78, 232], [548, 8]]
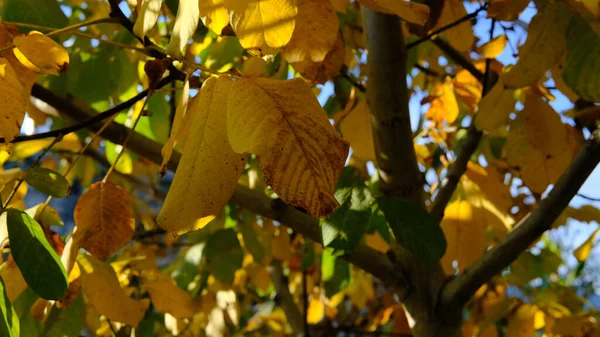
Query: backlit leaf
[[9, 321], [544, 46], [149, 13], [522, 323], [213, 15], [495, 107], [582, 252], [414, 228], [169, 298], [494, 47], [355, 127], [224, 255], [15, 285], [39, 264], [443, 105], [583, 49], [263, 26], [543, 126], [460, 36], [186, 22], [315, 34], [13, 101], [300, 153], [320, 72], [410, 11], [104, 219], [48, 182], [506, 10], [40, 53], [316, 311], [208, 169], [101, 288]]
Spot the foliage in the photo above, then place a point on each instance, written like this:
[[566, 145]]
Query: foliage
[[261, 109]]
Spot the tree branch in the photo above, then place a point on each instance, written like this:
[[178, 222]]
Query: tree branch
[[364, 257], [458, 58], [459, 291], [286, 300]]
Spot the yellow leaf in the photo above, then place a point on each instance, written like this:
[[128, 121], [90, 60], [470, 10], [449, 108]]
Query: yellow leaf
[[316, 311], [460, 36], [493, 48], [569, 326], [339, 5], [582, 252], [26, 76], [300, 153], [104, 219], [23, 150], [465, 233], [102, 290], [263, 26], [443, 106], [185, 25], [468, 89], [147, 16], [321, 72], [208, 169], [410, 11], [506, 10], [281, 245], [355, 127], [543, 48], [40, 53], [169, 298], [522, 323], [360, 290], [13, 102], [13, 279], [543, 126], [213, 15], [316, 31], [495, 107], [376, 242], [181, 122]]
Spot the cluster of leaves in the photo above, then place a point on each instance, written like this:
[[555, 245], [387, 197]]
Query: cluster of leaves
[[244, 116]]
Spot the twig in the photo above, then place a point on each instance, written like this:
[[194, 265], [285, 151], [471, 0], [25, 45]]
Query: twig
[[344, 73], [458, 291], [91, 120], [286, 300], [587, 197], [458, 168], [428, 71], [458, 58], [433, 34]]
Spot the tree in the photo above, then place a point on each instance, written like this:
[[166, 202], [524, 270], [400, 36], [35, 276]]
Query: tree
[[270, 225]]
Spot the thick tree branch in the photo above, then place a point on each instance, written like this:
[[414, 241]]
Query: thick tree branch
[[459, 291], [286, 300], [364, 257]]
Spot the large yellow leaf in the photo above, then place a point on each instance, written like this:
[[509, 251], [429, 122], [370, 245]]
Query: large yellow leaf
[[464, 229], [147, 16], [321, 72], [40, 53], [101, 288], [543, 48], [355, 126], [213, 15], [12, 100], [495, 107], [460, 36], [167, 297], [582, 252], [208, 169], [467, 89], [410, 11], [443, 105], [263, 25], [522, 323], [317, 27], [543, 125], [300, 153], [104, 219], [185, 25], [506, 10]]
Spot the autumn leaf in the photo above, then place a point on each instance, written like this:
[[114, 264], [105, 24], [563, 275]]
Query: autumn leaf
[[169, 298], [281, 245], [495, 107], [101, 288], [543, 48], [582, 252], [263, 26], [410, 11], [316, 311], [443, 105], [467, 89], [13, 100], [183, 117], [300, 153], [186, 22], [355, 127], [147, 16], [522, 323], [464, 229], [208, 169], [493, 48], [213, 14], [316, 19], [582, 55], [460, 36], [320, 72], [40, 53], [506, 10], [104, 219]]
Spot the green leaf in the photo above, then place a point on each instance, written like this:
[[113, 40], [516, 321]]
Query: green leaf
[[38, 12], [335, 272], [9, 321], [414, 228], [48, 181], [188, 269], [308, 253], [581, 70], [30, 327], [38, 262], [224, 255], [65, 322], [222, 53], [249, 235], [346, 226], [125, 164]]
